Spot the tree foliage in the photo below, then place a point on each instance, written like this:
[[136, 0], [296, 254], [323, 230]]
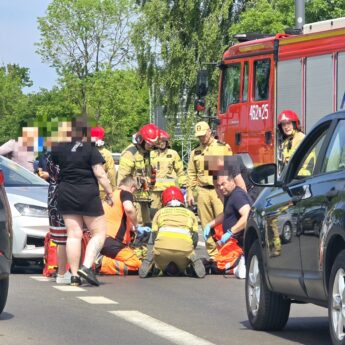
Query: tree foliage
[[80, 38], [173, 40], [12, 100]]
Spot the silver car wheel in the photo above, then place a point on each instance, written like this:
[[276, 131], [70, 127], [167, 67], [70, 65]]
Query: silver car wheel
[[338, 304], [254, 285]]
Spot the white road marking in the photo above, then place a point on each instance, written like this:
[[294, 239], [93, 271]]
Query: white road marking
[[68, 288], [97, 300], [42, 278], [202, 244], [164, 330]]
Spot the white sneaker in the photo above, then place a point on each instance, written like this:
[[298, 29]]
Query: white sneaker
[[64, 279], [240, 269]]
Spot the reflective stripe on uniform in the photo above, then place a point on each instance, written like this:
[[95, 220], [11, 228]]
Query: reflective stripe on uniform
[[174, 230]]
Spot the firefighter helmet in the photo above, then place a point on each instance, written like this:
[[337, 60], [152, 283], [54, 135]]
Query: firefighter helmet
[[288, 115], [172, 193], [164, 136], [98, 133], [148, 133]]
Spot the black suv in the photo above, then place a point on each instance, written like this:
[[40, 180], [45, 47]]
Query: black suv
[[311, 266], [5, 243]]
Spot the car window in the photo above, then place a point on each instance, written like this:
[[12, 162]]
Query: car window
[[335, 154], [308, 162], [230, 92], [261, 79], [15, 175]]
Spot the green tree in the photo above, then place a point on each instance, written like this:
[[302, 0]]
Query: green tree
[[82, 37], [121, 98], [12, 100], [173, 40]]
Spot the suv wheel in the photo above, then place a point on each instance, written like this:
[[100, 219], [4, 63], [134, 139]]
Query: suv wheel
[[3, 293], [336, 300], [266, 310]]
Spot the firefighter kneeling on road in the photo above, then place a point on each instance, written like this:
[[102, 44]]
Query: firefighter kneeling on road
[[175, 236]]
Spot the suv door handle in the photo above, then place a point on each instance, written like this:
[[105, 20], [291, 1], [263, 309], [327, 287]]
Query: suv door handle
[[331, 193]]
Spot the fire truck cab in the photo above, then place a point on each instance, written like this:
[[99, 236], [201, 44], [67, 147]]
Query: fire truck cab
[[262, 77]]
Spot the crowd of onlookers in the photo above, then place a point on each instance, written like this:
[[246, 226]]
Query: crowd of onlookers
[[150, 197]]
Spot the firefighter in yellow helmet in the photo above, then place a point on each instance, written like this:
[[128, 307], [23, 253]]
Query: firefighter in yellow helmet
[[200, 182], [175, 236], [169, 170], [135, 161], [97, 135]]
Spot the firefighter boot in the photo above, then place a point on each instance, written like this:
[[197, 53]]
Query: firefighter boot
[[146, 266], [198, 266]]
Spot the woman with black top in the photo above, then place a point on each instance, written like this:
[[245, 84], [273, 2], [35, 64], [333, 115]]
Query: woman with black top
[[78, 200]]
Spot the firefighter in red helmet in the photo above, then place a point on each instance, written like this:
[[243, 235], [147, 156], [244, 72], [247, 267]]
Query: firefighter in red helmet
[[169, 170], [291, 136], [97, 136], [175, 236], [135, 161]]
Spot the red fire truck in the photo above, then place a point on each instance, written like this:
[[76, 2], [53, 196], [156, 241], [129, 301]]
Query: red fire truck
[[262, 77]]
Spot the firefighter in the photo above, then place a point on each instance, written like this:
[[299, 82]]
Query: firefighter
[[97, 136], [175, 236], [290, 131], [199, 181], [169, 170], [135, 161], [289, 128]]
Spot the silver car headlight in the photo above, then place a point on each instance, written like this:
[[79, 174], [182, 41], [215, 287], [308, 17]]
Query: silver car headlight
[[31, 210]]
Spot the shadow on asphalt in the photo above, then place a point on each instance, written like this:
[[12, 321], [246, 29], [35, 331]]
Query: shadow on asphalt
[[27, 268], [303, 330], [6, 316]]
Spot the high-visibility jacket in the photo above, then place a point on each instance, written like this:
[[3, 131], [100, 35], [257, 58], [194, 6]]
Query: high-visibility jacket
[[137, 164], [290, 144], [196, 173], [169, 169], [173, 227], [109, 168], [118, 226]]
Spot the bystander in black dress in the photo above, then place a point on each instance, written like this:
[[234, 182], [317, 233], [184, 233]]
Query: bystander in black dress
[[78, 186]]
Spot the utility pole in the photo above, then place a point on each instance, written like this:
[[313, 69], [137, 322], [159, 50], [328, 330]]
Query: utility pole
[[299, 13]]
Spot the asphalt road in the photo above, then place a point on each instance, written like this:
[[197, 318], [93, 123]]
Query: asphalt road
[[157, 311]]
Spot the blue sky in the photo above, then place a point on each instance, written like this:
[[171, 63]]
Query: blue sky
[[18, 33]]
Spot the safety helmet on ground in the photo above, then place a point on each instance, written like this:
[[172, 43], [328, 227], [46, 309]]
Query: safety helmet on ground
[[148, 133], [164, 136], [286, 116], [172, 193]]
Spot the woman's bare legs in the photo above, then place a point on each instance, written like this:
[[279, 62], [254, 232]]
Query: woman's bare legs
[[62, 259], [74, 225], [98, 229]]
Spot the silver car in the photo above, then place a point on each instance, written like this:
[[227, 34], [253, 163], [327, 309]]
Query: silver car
[[27, 195]]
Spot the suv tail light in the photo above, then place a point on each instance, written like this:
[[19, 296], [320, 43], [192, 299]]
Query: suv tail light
[[2, 178]]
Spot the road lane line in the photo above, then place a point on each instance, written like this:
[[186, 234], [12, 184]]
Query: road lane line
[[162, 329], [42, 279], [97, 300], [68, 288], [202, 244]]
